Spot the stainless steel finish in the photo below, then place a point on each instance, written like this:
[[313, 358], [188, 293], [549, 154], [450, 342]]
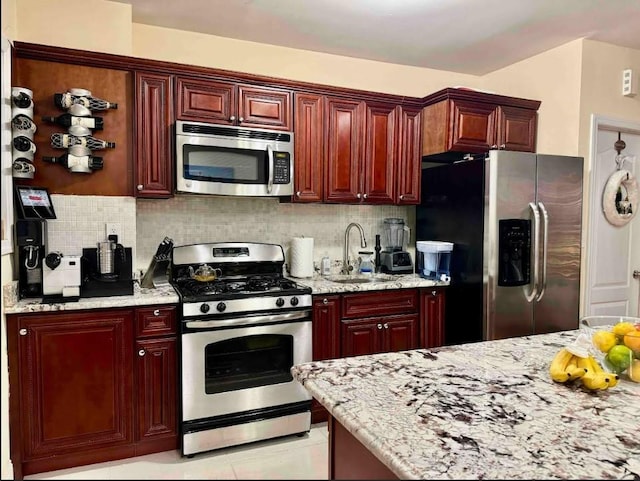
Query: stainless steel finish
[[141, 352], [240, 120], [636, 274], [202, 253], [223, 188], [365, 196], [244, 433], [401, 196], [198, 405], [106, 257], [232, 118], [325, 301], [358, 195], [548, 190], [23, 332], [298, 194], [379, 326], [545, 248], [386, 325], [535, 274], [433, 293], [247, 321], [270, 157], [140, 186], [346, 263], [250, 304], [156, 312]]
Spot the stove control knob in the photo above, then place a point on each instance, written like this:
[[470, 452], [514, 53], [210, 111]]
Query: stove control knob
[[204, 308], [280, 302], [294, 301], [221, 306]]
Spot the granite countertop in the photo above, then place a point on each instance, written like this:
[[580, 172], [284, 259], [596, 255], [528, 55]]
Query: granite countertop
[[481, 410], [322, 285], [141, 297]]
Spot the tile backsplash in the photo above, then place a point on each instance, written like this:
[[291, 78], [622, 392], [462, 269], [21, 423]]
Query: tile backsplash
[[190, 219]]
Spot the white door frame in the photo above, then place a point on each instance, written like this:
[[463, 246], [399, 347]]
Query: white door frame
[[599, 122]]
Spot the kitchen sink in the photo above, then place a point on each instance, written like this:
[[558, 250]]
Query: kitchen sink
[[360, 279]]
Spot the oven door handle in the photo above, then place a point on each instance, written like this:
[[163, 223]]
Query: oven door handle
[[250, 320]]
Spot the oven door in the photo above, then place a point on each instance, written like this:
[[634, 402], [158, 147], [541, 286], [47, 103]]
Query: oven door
[[233, 161], [243, 367]]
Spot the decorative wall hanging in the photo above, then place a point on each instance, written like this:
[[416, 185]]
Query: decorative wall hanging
[[23, 129], [79, 121], [620, 196]]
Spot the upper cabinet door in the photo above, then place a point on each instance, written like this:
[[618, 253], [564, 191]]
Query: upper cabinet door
[[473, 126], [517, 129], [409, 160], [206, 101], [309, 148], [264, 107], [154, 140], [344, 144], [380, 154]]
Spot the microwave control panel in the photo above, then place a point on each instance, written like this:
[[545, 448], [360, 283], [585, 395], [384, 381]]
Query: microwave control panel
[[281, 168]]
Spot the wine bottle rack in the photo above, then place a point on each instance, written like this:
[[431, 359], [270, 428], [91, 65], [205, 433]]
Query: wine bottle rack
[[23, 129]]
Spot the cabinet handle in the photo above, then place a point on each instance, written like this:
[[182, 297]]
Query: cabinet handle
[[240, 120], [325, 301], [298, 194], [494, 146], [23, 332], [502, 146], [141, 352], [386, 326], [365, 196], [232, 118], [358, 195], [433, 293], [140, 186], [156, 312], [379, 326], [401, 196]]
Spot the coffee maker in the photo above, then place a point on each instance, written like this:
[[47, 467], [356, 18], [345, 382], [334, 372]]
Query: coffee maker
[[107, 269], [394, 259], [31, 235]]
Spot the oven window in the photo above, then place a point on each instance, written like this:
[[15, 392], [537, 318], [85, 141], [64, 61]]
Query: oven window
[[248, 361], [223, 164]]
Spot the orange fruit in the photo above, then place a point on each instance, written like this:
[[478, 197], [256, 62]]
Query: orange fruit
[[632, 340]]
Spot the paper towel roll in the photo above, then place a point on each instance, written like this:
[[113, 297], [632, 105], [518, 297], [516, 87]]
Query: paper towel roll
[[302, 257]]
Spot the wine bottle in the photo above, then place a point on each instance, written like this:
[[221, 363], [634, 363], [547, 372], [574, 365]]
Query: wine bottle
[[76, 163], [67, 120], [24, 144], [67, 99], [22, 100], [23, 123], [62, 141]]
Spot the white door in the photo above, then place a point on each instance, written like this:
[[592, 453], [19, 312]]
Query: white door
[[613, 251]]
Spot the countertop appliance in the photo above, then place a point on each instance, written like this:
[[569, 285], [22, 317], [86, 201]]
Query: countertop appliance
[[515, 219], [394, 258], [60, 277], [241, 331], [221, 160], [31, 237], [107, 270]]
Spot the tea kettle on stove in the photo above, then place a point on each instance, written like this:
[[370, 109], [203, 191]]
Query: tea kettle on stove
[[205, 273]]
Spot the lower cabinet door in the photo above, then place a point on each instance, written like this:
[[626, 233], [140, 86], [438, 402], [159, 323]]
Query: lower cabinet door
[[400, 333], [156, 388], [360, 337], [75, 384]]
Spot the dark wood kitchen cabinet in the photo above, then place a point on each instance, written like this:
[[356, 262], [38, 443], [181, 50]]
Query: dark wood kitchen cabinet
[[229, 103], [459, 121], [409, 157], [326, 339], [309, 147], [432, 317], [153, 139], [78, 395], [379, 321]]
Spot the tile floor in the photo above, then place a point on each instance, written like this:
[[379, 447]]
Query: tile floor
[[289, 457]]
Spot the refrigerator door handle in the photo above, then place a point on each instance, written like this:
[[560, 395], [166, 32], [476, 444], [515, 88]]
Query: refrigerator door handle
[[536, 252], [545, 244]]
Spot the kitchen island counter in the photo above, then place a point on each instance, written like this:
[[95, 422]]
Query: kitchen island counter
[[478, 410]]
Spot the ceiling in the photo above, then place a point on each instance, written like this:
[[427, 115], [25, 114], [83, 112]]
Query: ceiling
[[466, 36]]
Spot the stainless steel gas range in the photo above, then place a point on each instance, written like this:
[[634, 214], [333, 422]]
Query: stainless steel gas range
[[243, 326]]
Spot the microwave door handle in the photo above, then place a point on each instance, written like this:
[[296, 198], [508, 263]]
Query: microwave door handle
[[270, 158]]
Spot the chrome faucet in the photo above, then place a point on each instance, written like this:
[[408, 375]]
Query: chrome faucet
[[346, 264]]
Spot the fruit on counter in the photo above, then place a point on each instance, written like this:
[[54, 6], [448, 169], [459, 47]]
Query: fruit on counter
[[634, 370], [621, 328], [631, 339], [566, 367], [558, 367], [595, 375], [619, 358], [604, 340]]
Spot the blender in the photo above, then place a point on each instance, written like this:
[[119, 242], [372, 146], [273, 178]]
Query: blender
[[394, 259]]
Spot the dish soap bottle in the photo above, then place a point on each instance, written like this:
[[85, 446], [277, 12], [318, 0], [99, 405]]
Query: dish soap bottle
[[325, 266]]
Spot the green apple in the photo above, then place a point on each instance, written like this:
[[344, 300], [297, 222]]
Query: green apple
[[619, 358]]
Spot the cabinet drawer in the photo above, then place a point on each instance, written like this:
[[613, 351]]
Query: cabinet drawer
[[379, 303], [156, 321]]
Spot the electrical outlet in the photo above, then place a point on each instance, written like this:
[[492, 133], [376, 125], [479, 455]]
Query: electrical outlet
[[628, 83], [112, 228]]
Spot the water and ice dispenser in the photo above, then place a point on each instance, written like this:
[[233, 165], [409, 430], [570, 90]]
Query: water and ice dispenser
[[434, 259]]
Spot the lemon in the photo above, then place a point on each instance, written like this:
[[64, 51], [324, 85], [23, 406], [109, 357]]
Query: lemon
[[603, 340], [621, 328]]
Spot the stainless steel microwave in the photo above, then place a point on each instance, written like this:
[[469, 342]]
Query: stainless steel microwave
[[224, 160]]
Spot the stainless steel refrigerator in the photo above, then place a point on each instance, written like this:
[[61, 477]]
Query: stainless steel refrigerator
[[515, 219]]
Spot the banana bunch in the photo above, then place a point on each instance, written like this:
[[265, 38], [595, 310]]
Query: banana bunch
[[566, 367]]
